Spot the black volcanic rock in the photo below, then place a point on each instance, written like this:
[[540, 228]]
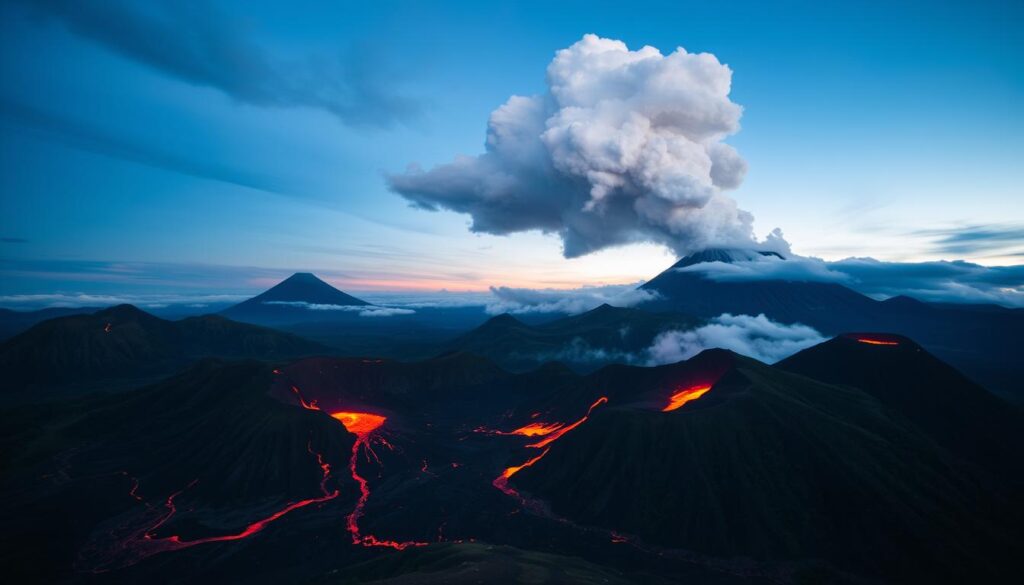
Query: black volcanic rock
[[771, 465], [125, 342], [957, 413], [289, 302]]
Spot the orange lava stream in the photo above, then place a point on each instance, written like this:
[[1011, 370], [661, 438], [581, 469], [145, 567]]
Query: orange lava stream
[[364, 426], [501, 482], [563, 430], [874, 341], [681, 397]]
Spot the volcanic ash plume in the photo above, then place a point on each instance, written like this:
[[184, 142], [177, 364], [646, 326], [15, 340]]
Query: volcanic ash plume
[[625, 146]]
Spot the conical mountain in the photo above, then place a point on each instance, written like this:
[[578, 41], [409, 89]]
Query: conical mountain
[[300, 297]]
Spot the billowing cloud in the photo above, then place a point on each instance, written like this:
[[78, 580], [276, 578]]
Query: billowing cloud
[[954, 282], [570, 301], [193, 41], [757, 337], [625, 146]]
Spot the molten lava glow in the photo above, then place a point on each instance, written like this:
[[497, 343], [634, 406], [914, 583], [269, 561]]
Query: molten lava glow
[[363, 425], [876, 341], [359, 423], [140, 543], [681, 397], [565, 429], [501, 482]]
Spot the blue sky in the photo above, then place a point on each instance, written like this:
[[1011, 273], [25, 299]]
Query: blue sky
[[890, 130]]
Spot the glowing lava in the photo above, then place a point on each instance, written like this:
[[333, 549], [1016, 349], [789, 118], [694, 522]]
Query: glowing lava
[[365, 426], [138, 544], [684, 395], [558, 430], [876, 341], [551, 438]]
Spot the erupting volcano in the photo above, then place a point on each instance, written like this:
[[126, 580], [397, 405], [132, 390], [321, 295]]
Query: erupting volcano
[[684, 395]]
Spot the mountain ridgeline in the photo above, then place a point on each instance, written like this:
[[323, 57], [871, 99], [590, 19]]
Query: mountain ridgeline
[[125, 343]]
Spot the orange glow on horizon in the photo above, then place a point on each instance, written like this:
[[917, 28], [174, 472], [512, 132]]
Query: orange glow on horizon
[[681, 397]]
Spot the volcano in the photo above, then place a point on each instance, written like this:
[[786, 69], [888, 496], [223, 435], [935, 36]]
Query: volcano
[[983, 342], [300, 297], [765, 464]]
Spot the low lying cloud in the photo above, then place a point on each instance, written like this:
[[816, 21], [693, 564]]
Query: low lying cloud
[[625, 146], [569, 301], [756, 337], [954, 282], [362, 310]]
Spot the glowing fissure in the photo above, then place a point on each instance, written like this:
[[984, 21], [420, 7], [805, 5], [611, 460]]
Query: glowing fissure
[[366, 427], [143, 543], [684, 395], [560, 429], [876, 341]]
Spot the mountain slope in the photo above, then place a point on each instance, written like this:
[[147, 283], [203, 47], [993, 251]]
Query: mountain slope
[[982, 343], [292, 300], [125, 342], [585, 341], [957, 413], [771, 465]]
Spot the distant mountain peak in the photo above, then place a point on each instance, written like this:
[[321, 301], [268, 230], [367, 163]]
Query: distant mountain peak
[[726, 255]]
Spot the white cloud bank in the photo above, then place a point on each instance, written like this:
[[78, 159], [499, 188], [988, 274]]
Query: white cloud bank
[[757, 337], [363, 310], [625, 146], [570, 301]]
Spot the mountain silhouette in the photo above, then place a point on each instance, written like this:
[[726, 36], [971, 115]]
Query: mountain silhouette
[[585, 341], [300, 297], [124, 342], [983, 342]]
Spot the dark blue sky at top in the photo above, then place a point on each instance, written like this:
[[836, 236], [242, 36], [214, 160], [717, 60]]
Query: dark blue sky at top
[[185, 147]]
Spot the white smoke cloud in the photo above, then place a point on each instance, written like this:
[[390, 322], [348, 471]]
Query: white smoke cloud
[[625, 146], [570, 301], [757, 337]]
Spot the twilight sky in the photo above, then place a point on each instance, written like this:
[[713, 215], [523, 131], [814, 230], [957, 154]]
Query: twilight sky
[[178, 148]]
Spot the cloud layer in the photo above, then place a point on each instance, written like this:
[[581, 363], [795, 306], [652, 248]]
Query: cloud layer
[[757, 337], [570, 301], [625, 146], [362, 310], [954, 282], [193, 41]]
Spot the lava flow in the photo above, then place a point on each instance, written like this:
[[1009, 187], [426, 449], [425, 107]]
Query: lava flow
[[876, 341], [684, 395], [139, 544], [558, 430], [365, 427]]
